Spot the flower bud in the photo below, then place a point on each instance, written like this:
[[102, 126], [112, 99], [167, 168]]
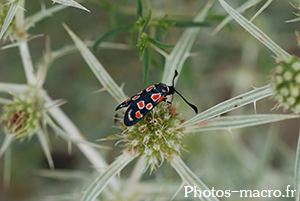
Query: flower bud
[[286, 83]]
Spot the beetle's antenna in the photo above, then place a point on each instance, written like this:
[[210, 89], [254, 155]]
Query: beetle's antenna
[[191, 105], [176, 73]]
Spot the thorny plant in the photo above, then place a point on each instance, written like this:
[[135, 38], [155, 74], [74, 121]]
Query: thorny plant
[[157, 136]]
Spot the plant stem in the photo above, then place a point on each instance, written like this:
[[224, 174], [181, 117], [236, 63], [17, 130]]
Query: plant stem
[[7, 168], [20, 15], [23, 47], [27, 63]]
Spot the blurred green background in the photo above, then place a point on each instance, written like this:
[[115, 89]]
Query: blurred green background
[[224, 65]]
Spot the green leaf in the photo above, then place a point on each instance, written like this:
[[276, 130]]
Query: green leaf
[[190, 178], [188, 23], [216, 17], [139, 9], [255, 31], [159, 44], [147, 63], [231, 104], [99, 71], [97, 186], [180, 52], [163, 24], [111, 33], [46, 148], [233, 122], [9, 17], [70, 3], [147, 20]]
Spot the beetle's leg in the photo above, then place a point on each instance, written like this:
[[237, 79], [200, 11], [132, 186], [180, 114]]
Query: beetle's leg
[[170, 102]]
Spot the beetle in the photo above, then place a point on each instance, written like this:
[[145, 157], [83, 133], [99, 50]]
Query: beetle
[[144, 101]]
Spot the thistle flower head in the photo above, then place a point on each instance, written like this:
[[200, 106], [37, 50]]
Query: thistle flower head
[[22, 117], [155, 137], [286, 83]]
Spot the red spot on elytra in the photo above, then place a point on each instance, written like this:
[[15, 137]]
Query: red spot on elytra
[[139, 93], [141, 104], [128, 100], [149, 88], [136, 97], [161, 98], [138, 114], [149, 106], [155, 97]]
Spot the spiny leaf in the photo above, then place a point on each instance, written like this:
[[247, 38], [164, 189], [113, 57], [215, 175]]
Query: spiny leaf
[[240, 9], [293, 20], [296, 6], [70, 3], [261, 9], [97, 186], [13, 88], [66, 136], [255, 31], [231, 104], [99, 71], [45, 146], [179, 54], [40, 15], [9, 17], [233, 122], [190, 178]]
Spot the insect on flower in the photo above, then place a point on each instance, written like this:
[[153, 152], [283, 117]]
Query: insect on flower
[[144, 101]]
